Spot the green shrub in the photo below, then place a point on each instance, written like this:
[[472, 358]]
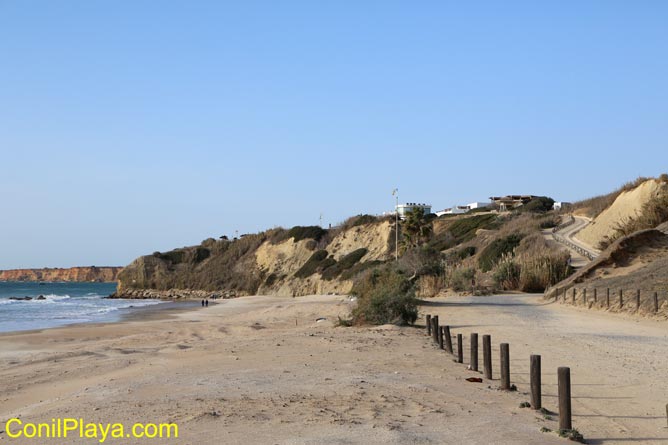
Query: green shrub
[[539, 204], [299, 233], [312, 264], [496, 249], [358, 220], [384, 295], [465, 252], [538, 272], [271, 279], [344, 263], [507, 274], [358, 268], [173, 256], [460, 279], [463, 230], [201, 253]]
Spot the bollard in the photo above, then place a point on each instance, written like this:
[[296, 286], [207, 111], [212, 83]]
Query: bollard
[[448, 339], [428, 321], [460, 349], [656, 302], [474, 352], [595, 296], [487, 355], [574, 291], [440, 338], [637, 300], [564, 375], [505, 366], [536, 402], [434, 329], [621, 298], [584, 295], [607, 299]]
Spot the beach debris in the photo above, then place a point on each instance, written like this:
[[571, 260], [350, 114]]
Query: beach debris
[[474, 380], [525, 405], [573, 435], [318, 320]]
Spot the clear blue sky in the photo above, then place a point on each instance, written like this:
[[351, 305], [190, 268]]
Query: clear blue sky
[[128, 127]]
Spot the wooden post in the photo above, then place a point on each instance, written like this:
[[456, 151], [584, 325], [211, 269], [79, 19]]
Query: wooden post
[[637, 300], [428, 318], [535, 382], [434, 329], [607, 299], [505, 366], [474, 352], [595, 296], [448, 339], [621, 298], [565, 291], [487, 355], [584, 295], [460, 349], [656, 302], [574, 291], [564, 375], [440, 338]]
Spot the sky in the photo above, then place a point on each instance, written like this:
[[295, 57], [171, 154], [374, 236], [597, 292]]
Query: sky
[[128, 127]]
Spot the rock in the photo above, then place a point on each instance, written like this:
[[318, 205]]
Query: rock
[[41, 297], [21, 298]]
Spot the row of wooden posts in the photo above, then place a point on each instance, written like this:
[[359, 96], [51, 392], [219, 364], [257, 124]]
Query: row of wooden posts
[[442, 336], [620, 298]]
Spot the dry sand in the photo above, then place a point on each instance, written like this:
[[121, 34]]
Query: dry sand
[[627, 205], [262, 370]]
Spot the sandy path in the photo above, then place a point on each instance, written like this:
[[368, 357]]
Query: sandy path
[[259, 370], [618, 365]]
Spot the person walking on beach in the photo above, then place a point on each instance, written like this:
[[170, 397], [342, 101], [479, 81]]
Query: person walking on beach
[[207, 303], [202, 303]]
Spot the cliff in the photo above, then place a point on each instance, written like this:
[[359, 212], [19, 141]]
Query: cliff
[[74, 274], [299, 261]]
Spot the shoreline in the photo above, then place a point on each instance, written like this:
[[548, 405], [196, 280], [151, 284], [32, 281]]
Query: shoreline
[[164, 310]]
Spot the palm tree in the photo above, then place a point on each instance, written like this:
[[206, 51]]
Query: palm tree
[[416, 228]]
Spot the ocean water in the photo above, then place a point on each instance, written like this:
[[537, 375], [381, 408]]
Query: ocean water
[[64, 303]]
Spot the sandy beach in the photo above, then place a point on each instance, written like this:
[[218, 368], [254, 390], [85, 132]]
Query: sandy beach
[[263, 370]]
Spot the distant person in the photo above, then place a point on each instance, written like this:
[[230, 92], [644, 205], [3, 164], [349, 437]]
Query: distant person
[[202, 303], [207, 303]]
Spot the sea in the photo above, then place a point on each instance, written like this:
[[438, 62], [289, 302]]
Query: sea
[[60, 304]]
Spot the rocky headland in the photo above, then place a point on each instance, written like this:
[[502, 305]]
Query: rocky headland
[[72, 274]]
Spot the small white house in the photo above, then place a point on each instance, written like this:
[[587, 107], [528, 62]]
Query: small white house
[[456, 210], [402, 209], [478, 205], [560, 205]]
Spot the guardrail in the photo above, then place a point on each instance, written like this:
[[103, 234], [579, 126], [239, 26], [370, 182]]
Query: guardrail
[[565, 241], [568, 243], [564, 224]]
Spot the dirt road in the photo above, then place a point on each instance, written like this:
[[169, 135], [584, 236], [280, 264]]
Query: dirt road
[[618, 365]]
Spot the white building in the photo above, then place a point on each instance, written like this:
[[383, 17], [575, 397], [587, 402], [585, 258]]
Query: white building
[[560, 205], [478, 205], [402, 209], [456, 210]]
